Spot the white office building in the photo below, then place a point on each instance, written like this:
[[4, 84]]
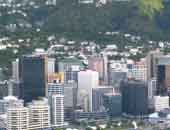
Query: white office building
[[53, 89], [161, 102], [151, 92], [57, 110], [87, 80], [39, 115], [33, 117], [15, 70], [152, 88], [18, 118]]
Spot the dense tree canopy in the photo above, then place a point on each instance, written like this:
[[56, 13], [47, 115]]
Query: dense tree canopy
[[150, 7]]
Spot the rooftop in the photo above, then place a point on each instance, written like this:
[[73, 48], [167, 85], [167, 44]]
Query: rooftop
[[8, 98], [72, 60]]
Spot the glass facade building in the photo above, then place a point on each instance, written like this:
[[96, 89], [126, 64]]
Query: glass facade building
[[113, 105], [33, 77], [134, 98], [162, 74]]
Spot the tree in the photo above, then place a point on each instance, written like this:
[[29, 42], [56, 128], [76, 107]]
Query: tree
[[88, 128], [58, 129], [150, 7]]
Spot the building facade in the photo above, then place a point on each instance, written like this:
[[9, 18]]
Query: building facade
[[51, 65], [151, 63], [137, 71], [57, 110], [15, 70], [70, 67], [117, 73], [96, 63], [55, 88], [18, 118], [86, 81], [113, 104], [98, 97], [39, 115], [33, 76], [70, 95], [162, 74], [160, 102], [134, 98]]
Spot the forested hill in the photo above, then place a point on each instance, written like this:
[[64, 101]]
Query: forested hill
[[72, 19]]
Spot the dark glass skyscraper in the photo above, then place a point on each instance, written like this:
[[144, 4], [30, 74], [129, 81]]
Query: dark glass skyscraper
[[163, 74], [113, 104], [134, 98], [33, 77]]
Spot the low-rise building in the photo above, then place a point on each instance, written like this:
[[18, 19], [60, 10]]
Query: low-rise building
[[39, 115], [161, 102], [18, 118]]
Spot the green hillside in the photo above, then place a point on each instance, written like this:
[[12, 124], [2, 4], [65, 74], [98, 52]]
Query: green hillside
[[71, 19]]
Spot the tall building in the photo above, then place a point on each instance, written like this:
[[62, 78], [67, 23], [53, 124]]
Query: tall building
[[152, 88], [18, 118], [70, 95], [105, 68], [113, 104], [70, 67], [87, 80], [134, 98], [15, 70], [151, 63], [137, 70], [152, 91], [117, 73], [70, 100], [57, 110], [159, 67], [39, 115], [163, 74], [54, 89], [96, 63], [98, 97], [33, 76]]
